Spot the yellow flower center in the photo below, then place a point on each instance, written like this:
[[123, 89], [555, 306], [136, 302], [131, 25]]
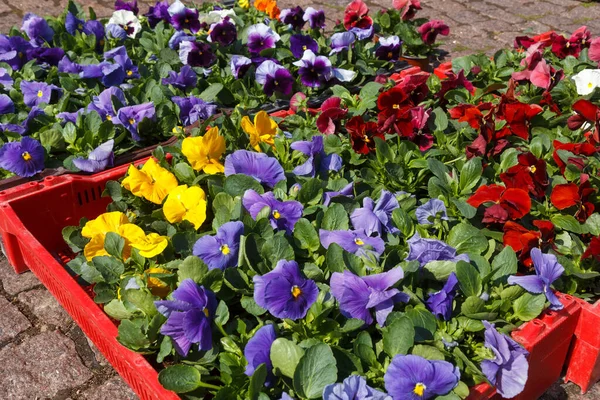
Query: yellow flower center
[[101, 42], [21, 54], [131, 121], [359, 241], [129, 73], [225, 249], [590, 85], [276, 214], [276, 83], [390, 55], [80, 27], [108, 117], [532, 169], [206, 312], [432, 30], [419, 389], [26, 156], [396, 106], [366, 139], [187, 21], [296, 291], [303, 47], [568, 45], [40, 93]]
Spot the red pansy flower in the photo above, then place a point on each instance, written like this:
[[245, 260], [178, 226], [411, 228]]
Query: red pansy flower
[[509, 203], [454, 81], [518, 116], [547, 100], [569, 195], [522, 240], [417, 131], [594, 52], [585, 149], [593, 249], [431, 29], [391, 101], [331, 115], [586, 112], [442, 70], [529, 174], [409, 8], [582, 37], [363, 134], [562, 47], [470, 113], [355, 16]]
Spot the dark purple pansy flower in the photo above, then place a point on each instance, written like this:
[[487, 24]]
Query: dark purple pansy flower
[[318, 160], [13, 51], [440, 303], [314, 70], [196, 54], [6, 105], [99, 159], [293, 17], [274, 78], [389, 48], [547, 270], [261, 37], [112, 74], [66, 116], [46, 55], [416, 378], [73, 24], [359, 295], [158, 12], [127, 5], [94, 27], [426, 250], [65, 65], [183, 17], [258, 351], [355, 242], [179, 37], [220, 251], [376, 218], [315, 18], [37, 29], [184, 80], [354, 387], [192, 109], [284, 292], [239, 65], [507, 371], [36, 93], [300, 43], [120, 56], [223, 32], [259, 166], [103, 103], [283, 215], [24, 158], [189, 316], [346, 191], [431, 210], [131, 116]]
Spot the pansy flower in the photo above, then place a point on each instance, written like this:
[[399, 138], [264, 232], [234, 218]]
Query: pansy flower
[[151, 182], [346, 191], [315, 18], [186, 204], [329, 121], [356, 16], [363, 134], [73, 24], [269, 7], [389, 48], [353, 387], [99, 159], [293, 17], [431, 29], [131, 116], [184, 80], [96, 230], [408, 8], [258, 351], [223, 32], [568, 195], [529, 174], [150, 245], [266, 170], [430, 211], [358, 296], [283, 215], [587, 115], [263, 130], [123, 23], [318, 161], [426, 250], [518, 118], [239, 65], [221, 250], [586, 81], [196, 54], [261, 37], [119, 56], [341, 41], [36, 93], [522, 240], [284, 292], [192, 109], [24, 158], [13, 51], [470, 114], [509, 203], [7, 106], [183, 18], [376, 218], [593, 250], [158, 12], [300, 43], [576, 149], [356, 242], [37, 29], [103, 103], [315, 70], [127, 5], [274, 78], [204, 152], [440, 302]]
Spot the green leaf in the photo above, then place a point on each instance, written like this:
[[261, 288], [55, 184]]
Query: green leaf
[[277, 249], [210, 93], [316, 369], [131, 335], [116, 309], [504, 265], [398, 337], [285, 356], [114, 244], [110, 268], [508, 158], [566, 222], [180, 378], [403, 222], [250, 306], [192, 268], [383, 151], [424, 322], [468, 278], [428, 352], [467, 210], [311, 192], [363, 348], [438, 169], [143, 300], [222, 313], [438, 120], [237, 184], [465, 238], [529, 306], [335, 218], [441, 270], [184, 173], [306, 235], [257, 381], [470, 174]]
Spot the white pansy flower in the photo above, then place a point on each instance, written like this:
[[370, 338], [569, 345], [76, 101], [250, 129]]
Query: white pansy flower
[[127, 21], [587, 81]]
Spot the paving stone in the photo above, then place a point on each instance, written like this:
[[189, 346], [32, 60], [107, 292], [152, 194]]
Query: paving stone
[[12, 321], [45, 307], [114, 388], [14, 283], [40, 367]]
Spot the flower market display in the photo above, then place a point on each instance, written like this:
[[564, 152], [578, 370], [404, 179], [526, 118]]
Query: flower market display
[[80, 91]]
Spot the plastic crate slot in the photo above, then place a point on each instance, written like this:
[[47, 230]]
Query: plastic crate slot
[[87, 197], [79, 201]]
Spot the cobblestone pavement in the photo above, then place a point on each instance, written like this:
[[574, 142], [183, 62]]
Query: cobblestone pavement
[[44, 354]]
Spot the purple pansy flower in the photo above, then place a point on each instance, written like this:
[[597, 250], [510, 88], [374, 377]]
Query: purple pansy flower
[[5, 79], [316, 70], [356, 242], [179, 37], [127, 5], [37, 29], [426, 250], [341, 41], [183, 17], [547, 270], [223, 32], [119, 55], [283, 215], [196, 54], [184, 80], [318, 160], [239, 65], [192, 109], [65, 65], [259, 166], [94, 27], [189, 316], [293, 17], [45, 55], [362, 33], [376, 218], [116, 32], [109, 74], [261, 37], [36, 93], [274, 78], [284, 292], [300, 43], [24, 158], [507, 371], [389, 48], [23, 128], [99, 159], [131, 116], [13, 51], [431, 210], [158, 12], [354, 387], [416, 378], [346, 191], [220, 251], [258, 351], [66, 116], [315, 18], [103, 103], [359, 295], [73, 24], [440, 303], [6, 105]]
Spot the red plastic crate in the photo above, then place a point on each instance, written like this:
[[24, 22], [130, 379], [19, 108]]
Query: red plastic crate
[[31, 223], [583, 362]]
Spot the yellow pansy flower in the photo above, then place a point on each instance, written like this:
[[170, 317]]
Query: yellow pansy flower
[[97, 229], [156, 286], [187, 204], [151, 244], [244, 3], [204, 152], [262, 130], [152, 182]]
